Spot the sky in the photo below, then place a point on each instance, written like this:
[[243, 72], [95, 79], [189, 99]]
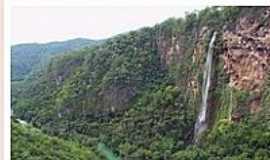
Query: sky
[[48, 23]]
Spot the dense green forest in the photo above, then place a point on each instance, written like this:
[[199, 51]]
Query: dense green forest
[[31, 144], [139, 94]]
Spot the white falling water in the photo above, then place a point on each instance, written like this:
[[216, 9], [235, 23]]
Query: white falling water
[[201, 123]]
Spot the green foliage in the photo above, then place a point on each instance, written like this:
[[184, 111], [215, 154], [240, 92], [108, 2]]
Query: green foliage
[[248, 139], [107, 153], [122, 94], [216, 17], [28, 58], [31, 144], [191, 153], [160, 115]]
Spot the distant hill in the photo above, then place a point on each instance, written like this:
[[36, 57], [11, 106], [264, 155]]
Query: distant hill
[[25, 58]]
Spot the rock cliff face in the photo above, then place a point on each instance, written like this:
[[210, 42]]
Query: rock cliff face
[[200, 48], [247, 53], [169, 49], [247, 56]]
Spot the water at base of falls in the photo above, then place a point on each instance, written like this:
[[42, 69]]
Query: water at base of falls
[[201, 123]]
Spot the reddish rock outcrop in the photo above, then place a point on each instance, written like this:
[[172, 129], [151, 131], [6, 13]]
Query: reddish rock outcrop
[[247, 53], [169, 48], [247, 56]]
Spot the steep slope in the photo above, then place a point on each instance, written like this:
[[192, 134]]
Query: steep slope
[[108, 93], [140, 92], [26, 58], [31, 144], [248, 139]]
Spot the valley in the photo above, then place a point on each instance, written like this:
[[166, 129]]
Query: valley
[[192, 88]]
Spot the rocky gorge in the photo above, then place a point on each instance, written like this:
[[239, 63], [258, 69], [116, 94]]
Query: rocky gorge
[[142, 94]]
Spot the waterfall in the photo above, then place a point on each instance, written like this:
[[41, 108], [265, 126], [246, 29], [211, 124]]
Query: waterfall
[[201, 123]]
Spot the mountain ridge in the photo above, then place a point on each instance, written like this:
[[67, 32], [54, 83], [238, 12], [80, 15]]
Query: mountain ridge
[[28, 56], [57, 41]]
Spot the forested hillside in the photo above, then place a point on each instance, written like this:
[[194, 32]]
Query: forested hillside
[[140, 93], [27, 58], [31, 144]]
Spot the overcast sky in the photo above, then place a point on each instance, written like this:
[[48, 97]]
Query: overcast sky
[[44, 24]]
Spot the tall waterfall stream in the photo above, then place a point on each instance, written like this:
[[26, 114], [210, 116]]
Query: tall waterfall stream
[[201, 123]]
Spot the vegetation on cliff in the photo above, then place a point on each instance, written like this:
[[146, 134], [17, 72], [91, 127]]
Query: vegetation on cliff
[[139, 94], [32, 57], [31, 144]]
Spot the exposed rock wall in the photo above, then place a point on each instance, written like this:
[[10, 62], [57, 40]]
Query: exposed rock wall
[[169, 48], [247, 57], [247, 53], [200, 48]]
